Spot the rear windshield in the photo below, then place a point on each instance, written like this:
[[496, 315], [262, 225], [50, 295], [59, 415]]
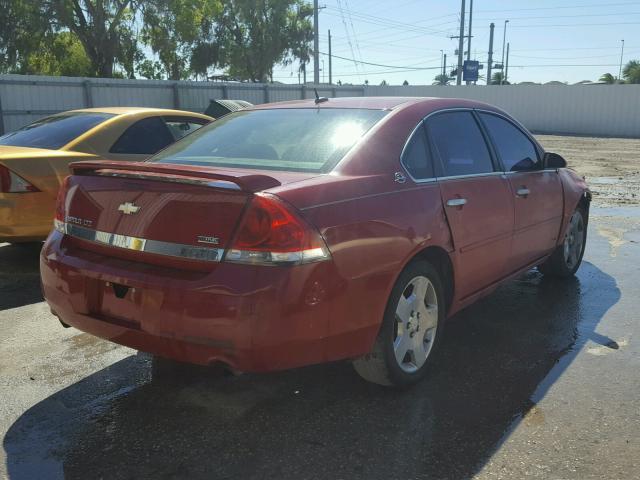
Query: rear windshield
[[308, 140], [54, 132]]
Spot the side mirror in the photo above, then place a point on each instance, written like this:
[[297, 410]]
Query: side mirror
[[553, 160]]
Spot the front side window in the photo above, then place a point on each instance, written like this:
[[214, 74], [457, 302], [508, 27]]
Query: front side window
[[54, 132], [415, 156], [515, 149], [179, 127], [459, 144], [294, 139]]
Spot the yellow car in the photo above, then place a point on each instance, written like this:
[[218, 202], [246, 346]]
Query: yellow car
[[34, 159]]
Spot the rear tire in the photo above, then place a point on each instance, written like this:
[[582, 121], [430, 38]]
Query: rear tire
[[411, 329], [566, 259]]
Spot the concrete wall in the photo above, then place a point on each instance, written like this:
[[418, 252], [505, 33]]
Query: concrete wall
[[599, 110]]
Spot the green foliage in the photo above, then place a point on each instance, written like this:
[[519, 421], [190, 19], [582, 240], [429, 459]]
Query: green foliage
[[63, 55], [608, 78], [181, 33], [187, 37], [257, 34], [631, 72], [104, 27], [23, 30], [498, 79], [441, 79]]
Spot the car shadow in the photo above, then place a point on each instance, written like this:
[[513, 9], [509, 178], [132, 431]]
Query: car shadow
[[498, 358], [19, 275]]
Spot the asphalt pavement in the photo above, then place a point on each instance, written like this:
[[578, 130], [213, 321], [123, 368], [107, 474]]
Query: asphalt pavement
[[538, 380]]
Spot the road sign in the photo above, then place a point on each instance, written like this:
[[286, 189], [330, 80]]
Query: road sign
[[470, 70]]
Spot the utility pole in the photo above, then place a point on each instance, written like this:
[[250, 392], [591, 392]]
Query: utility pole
[[442, 60], [490, 59], [504, 38], [330, 78], [444, 66], [469, 36], [316, 56], [460, 45], [506, 70], [621, 55]]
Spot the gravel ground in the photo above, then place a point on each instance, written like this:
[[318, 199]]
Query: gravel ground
[[610, 165]]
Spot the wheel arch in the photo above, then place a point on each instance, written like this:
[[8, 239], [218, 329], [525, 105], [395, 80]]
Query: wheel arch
[[440, 259]]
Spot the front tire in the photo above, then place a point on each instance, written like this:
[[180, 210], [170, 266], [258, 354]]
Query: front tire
[[411, 329], [566, 259]]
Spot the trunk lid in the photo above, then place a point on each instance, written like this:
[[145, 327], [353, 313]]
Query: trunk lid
[[163, 212]]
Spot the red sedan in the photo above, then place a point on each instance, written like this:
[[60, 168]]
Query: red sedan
[[311, 231]]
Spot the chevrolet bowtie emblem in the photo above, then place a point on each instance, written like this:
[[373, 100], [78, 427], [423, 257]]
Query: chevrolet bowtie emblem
[[128, 208]]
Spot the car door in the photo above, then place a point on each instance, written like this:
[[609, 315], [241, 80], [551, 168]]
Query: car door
[[537, 192], [476, 198]]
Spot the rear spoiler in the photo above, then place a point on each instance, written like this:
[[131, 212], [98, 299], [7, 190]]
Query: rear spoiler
[[248, 182]]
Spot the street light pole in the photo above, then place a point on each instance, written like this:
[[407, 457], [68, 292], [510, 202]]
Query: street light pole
[[504, 39], [621, 55], [460, 45]]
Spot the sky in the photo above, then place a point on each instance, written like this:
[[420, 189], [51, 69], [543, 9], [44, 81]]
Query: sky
[[567, 41]]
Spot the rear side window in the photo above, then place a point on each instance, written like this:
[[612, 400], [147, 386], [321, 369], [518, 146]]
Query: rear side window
[[145, 137], [292, 139], [515, 149], [54, 132], [415, 156], [459, 144]]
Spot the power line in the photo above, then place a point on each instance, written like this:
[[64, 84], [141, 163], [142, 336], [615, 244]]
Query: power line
[[592, 5], [380, 64]]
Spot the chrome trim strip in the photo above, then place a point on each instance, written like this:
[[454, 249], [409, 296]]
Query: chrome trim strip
[[471, 175], [158, 247]]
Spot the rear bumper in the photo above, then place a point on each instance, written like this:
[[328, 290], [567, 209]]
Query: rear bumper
[[25, 217], [252, 318]]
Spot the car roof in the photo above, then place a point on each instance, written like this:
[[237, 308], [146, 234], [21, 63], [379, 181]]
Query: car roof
[[134, 110], [375, 103]]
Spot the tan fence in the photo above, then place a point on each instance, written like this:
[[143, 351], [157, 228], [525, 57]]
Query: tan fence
[[599, 110]]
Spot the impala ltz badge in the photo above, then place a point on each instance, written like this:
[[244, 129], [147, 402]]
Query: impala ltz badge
[[128, 208], [208, 239]]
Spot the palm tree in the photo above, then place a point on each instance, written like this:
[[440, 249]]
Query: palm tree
[[608, 78], [497, 79], [631, 72], [441, 79]]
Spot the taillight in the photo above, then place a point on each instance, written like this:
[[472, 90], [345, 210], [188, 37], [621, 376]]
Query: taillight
[[61, 209], [272, 233], [12, 183]]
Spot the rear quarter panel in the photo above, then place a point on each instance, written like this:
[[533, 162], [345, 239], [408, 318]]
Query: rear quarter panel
[[574, 189]]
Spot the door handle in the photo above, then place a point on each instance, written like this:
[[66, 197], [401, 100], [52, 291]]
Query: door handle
[[456, 202], [523, 192]]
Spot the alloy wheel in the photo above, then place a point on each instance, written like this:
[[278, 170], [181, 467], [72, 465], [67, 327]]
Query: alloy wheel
[[574, 240], [416, 324]]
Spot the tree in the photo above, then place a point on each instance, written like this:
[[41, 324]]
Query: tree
[[383, 83], [62, 55], [181, 33], [498, 79], [255, 35], [441, 79], [102, 26], [608, 78], [405, 83], [631, 72], [22, 33]]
